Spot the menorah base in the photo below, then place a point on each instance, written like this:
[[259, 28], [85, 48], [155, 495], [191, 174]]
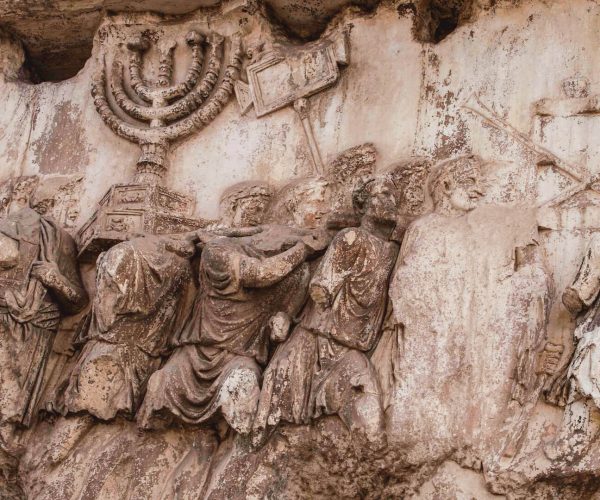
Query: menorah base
[[127, 210]]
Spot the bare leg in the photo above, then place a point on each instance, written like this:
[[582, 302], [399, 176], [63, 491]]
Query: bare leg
[[238, 398], [67, 433], [9, 451]]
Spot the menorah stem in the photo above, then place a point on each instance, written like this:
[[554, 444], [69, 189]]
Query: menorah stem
[[152, 164]]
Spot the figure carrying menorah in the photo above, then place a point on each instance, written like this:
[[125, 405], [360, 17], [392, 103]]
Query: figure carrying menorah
[[167, 111]]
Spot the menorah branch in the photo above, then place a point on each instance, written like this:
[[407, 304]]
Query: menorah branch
[[165, 68], [197, 104], [194, 40], [117, 125], [135, 74], [133, 109], [209, 111]]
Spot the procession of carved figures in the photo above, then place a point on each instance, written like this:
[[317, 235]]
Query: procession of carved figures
[[330, 295]]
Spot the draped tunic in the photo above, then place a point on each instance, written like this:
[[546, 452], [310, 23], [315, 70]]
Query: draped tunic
[[584, 369], [29, 314], [142, 290], [323, 363], [226, 333]]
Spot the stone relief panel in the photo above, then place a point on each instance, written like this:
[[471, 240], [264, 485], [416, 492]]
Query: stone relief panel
[[374, 276]]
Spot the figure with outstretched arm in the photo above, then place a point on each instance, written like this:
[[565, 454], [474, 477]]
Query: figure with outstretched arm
[[241, 289], [322, 368]]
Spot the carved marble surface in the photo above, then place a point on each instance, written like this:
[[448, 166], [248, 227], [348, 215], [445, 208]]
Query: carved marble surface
[[364, 265]]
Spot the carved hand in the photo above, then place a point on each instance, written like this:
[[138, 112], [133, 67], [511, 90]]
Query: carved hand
[[71, 296], [317, 241], [320, 295], [182, 248], [46, 273], [572, 301], [279, 325], [550, 358]]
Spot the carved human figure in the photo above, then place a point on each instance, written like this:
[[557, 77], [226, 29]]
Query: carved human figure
[[322, 369], [141, 291], [244, 204], [143, 288], [39, 282], [455, 362], [581, 419], [224, 344]]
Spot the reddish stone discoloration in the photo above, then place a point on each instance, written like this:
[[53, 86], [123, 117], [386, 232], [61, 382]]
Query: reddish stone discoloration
[[62, 149], [475, 333]]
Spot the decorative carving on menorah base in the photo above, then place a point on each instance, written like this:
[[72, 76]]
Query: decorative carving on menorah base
[[134, 209], [170, 112]]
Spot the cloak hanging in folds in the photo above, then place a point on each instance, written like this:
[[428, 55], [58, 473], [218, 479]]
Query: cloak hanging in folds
[[29, 314]]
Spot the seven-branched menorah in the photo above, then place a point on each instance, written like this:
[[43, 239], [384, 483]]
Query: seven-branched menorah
[[172, 110]]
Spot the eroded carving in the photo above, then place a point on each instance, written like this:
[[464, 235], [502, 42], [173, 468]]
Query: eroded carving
[[190, 100], [579, 427], [173, 111], [322, 368], [39, 282], [250, 288], [398, 329]]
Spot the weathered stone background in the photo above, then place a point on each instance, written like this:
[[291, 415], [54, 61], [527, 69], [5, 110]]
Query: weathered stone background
[[401, 91]]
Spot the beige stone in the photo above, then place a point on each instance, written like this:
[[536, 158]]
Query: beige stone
[[333, 249]]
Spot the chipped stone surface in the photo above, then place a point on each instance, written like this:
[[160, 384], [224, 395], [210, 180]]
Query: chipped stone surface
[[332, 249]]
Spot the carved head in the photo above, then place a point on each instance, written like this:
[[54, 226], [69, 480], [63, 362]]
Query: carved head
[[22, 192], [245, 203], [375, 198], [455, 185], [72, 212], [354, 162], [410, 179], [304, 203]]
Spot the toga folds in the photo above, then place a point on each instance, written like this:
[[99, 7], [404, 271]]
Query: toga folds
[[142, 291], [29, 312], [226, 334], [322, 365]]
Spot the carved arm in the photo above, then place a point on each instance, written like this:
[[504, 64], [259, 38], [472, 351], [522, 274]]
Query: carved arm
[[71, 296], [257, 273]]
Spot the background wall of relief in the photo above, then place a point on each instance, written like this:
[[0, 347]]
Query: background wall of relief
[[533, 66]]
